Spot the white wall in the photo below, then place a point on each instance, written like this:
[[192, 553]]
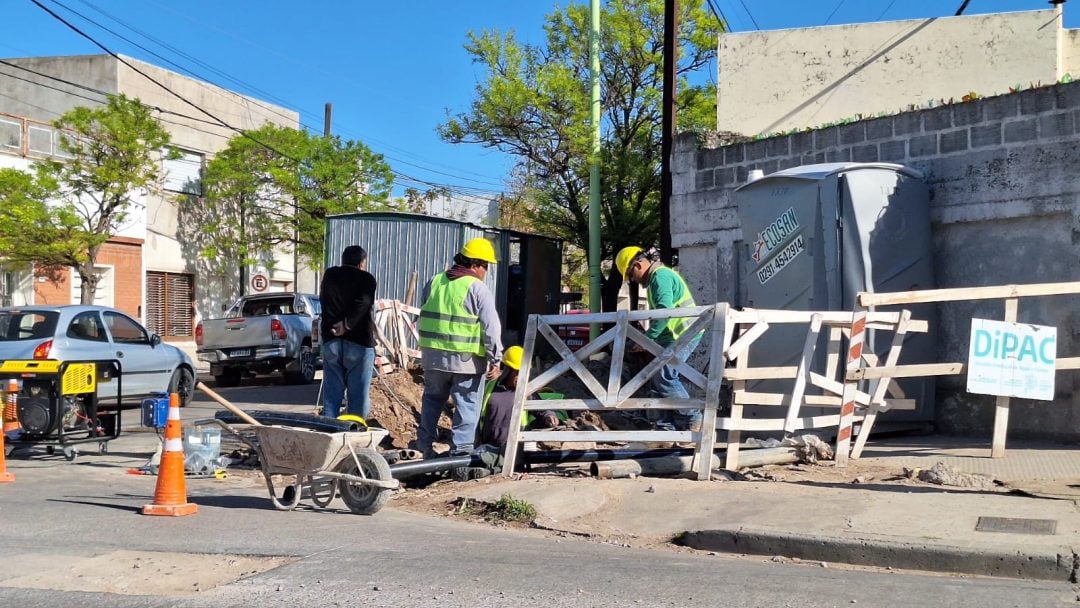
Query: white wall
[[779, 80]]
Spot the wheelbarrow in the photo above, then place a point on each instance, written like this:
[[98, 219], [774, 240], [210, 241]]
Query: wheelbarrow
[[329, 465]]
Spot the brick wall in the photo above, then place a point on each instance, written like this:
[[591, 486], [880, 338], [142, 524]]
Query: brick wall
[[53, 286], [1005, 208], [125, 256]]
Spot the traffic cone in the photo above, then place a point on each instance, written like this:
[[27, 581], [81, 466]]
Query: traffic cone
[[8, 410], [170, 496], [11, 412]]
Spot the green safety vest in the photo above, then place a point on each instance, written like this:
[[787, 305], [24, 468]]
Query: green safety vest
[[444, 322], [676, 325]]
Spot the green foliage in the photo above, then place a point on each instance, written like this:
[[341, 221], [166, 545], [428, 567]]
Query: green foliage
[[275, 186], [506, 509], [534, 104], [65, 211]]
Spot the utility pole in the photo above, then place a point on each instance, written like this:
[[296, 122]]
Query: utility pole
[[328, 111], [594, 167], [667, 135]]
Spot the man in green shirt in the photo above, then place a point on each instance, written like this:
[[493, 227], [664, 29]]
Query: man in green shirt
[[665, 288]]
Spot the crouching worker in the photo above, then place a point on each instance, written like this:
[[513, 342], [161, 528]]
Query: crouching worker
[[495, 415], [499, 405]]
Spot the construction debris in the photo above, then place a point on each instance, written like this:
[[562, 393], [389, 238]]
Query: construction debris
[[943, 475]]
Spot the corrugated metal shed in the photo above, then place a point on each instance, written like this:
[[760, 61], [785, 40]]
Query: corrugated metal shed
[[399, 243]]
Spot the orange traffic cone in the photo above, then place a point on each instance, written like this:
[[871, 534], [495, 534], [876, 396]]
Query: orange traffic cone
[[11, 412], [170, 496], [8, 410]]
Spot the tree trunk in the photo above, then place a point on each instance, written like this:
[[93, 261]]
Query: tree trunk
[[89, 280], [609, 290]]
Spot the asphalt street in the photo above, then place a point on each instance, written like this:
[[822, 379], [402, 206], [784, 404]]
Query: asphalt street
[[59, 513]]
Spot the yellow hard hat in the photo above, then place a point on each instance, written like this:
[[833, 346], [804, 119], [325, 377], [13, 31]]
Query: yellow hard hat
[[512, 357], [624, 257], [479, 249]]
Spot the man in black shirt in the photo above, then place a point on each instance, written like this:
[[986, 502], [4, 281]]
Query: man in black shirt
[[347, 294]]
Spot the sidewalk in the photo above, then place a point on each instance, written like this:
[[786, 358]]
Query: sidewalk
[[822, 514]]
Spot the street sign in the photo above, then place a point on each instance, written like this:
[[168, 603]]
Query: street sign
[[259, 282], [1012, 359]]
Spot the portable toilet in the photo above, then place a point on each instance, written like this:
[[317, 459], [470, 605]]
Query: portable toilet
[[816, 235]]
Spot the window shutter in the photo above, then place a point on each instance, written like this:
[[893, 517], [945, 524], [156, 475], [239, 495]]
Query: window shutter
[[154, 316], [180, 309], [170, 304]]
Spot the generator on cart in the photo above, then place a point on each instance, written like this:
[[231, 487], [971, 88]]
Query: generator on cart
[[55, 403]]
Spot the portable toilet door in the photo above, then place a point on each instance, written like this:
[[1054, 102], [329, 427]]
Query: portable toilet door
[[816, 235]]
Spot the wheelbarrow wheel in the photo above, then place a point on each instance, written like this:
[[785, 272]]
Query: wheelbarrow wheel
[[322, 490], [363, 499]]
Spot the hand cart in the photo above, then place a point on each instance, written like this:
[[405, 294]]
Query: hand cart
[[328, 465], [57, 405]]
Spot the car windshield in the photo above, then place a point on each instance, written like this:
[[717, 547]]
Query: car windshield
[[16, 325]]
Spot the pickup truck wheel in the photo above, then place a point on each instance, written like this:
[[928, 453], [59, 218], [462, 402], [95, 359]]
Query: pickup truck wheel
[[229, 376], [183, 384], [305, 363]]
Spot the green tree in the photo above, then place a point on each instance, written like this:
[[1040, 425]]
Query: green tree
[[274, 187], [67, 209], [534, 104]]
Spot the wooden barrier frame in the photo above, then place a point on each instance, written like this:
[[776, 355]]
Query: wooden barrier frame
[[616, 395], [1010, 293], [396, 334], [746, 326]]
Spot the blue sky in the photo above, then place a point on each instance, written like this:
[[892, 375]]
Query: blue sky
[[391, 69]]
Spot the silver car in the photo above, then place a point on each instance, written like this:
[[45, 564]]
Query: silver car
[[79, 332]]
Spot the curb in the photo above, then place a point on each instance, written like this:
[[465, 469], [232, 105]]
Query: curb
[[1042, 564]]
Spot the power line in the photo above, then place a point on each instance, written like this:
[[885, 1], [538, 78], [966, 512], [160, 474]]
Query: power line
[[158, 83], [886, 10], [211, 115], [717, 12], [318, 68], [235, 80], [831, 15], [242, 132], [745, 8]]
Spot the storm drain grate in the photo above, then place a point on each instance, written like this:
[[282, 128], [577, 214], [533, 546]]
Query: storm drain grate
[[1016, 525]]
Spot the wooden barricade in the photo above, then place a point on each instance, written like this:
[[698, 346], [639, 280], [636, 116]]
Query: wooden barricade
[[396, 333], [1011, 294], [617, 395], [812, 388]]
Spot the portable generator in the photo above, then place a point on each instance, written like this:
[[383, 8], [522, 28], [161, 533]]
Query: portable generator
[[56, 403]]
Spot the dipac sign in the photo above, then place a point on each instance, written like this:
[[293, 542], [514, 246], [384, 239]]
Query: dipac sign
[[1012, 359]]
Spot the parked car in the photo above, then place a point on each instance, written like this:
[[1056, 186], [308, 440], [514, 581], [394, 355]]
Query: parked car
[[575, 336], [261, 334], [82, 332]]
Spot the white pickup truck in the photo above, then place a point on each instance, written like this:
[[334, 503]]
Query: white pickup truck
[[261, 334]]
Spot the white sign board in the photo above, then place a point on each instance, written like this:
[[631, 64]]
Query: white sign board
[[1012, 359]]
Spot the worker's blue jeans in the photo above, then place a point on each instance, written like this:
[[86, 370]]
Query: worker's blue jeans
[[347, 371], [668, 385], [465, 391]]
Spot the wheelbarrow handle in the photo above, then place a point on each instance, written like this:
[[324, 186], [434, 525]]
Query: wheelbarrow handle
[[227, 405]]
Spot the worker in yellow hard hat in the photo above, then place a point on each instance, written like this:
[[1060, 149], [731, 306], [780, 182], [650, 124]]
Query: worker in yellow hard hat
[[665, 288], [460, 344], [498, 405]]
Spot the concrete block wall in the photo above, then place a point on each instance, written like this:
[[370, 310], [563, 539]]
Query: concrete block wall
[[1005, 208]]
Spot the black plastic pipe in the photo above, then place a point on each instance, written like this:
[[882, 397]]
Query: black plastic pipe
[[306, 421]]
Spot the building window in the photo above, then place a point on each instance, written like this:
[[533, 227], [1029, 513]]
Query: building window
[[184, 173], [170, 305]]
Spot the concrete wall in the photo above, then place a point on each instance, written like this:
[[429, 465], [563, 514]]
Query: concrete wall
[[775, 81], [1005, 208]]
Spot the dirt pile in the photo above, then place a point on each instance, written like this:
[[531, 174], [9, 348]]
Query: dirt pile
[[395, 406]]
